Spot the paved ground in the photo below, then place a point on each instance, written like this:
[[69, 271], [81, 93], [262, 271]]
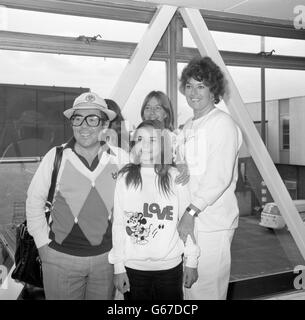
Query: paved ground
[[258, 251], [291, 296]]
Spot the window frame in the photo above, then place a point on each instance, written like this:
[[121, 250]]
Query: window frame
[[170, 48]]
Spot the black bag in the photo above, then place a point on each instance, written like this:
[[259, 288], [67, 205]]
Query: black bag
[[28, 265]]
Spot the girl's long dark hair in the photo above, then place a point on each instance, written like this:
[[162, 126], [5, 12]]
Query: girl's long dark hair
[[133, 170]]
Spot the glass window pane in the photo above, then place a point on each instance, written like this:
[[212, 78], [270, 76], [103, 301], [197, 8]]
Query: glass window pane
[[282, 46], [285, 133], [31, 68], [289, 97], [262, 245], [37, 87], [73, 26], [227, 41], [153, 78], [248, 82], [184, 112], [290, 86]]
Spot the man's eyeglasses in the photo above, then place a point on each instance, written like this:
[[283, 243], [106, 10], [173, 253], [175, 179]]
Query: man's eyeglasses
[[91, 120]]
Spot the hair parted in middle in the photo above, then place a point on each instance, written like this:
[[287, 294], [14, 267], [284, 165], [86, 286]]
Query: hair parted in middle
[[207, 71], [133, 170], [165, 103]]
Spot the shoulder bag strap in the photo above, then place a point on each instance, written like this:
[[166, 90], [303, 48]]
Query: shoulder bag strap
[[56, 165]]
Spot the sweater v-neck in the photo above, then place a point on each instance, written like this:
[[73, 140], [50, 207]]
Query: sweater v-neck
[[96, 160], [94, 163]]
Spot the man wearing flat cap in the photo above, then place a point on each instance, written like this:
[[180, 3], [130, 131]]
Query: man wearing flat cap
[[74, 246]]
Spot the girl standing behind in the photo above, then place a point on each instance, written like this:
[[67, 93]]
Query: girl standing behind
[[157, 106], [147, 251]]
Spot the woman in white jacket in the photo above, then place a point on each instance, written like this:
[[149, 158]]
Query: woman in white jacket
[[210, 142], [147, 252]]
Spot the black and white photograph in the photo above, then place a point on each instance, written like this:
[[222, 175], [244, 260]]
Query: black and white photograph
[[152, 152]]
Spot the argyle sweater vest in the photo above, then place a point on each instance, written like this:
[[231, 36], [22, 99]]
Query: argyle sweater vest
[[81, 215]]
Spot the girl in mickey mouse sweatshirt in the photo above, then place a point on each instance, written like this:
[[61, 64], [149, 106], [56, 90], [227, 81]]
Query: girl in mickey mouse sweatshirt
[[150, 260]]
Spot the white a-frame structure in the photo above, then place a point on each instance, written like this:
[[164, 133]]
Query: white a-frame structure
[[235, 105]]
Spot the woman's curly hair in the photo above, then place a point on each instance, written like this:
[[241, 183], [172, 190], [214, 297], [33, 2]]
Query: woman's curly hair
[[207, 71]]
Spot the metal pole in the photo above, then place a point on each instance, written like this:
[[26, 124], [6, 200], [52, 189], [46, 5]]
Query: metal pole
[[263, 96], [171, 67]]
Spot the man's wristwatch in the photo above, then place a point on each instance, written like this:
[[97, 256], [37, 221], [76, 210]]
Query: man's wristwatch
[[192, 212]]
